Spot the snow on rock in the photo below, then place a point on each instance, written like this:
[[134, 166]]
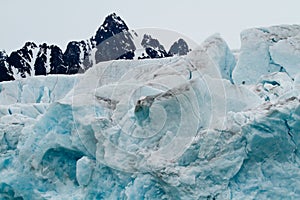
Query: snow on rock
[[179, 47], [113, 40], [168, 128], [258, 47], [5, 71], [153, 48]]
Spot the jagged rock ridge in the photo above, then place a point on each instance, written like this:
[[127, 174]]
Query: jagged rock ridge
[[5, 72], [180, 48], [112, 41]]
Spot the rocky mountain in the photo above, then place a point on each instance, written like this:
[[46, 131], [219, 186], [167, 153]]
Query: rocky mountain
[[22, 60], [112, 41], [57, 61], [76, 57], [49, 60], [179, 47], [5, 72], [153, 48]]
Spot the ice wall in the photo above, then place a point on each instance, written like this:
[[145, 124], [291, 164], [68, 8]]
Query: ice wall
[[267, 50], [171, 128]]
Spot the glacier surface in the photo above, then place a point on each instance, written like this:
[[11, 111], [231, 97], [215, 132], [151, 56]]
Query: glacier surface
[[267, 50], [202, 126]]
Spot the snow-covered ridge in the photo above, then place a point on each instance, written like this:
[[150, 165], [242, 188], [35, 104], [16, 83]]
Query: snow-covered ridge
[[113, 41], [198, 126]]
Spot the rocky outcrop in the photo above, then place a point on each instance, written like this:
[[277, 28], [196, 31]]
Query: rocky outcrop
[[179, 48], [5, 71], [153, 48], [113, 40]]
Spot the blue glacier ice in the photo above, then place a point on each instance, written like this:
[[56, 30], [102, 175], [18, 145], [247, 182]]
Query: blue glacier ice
[[219, 52], [266, 50], [207, 125]]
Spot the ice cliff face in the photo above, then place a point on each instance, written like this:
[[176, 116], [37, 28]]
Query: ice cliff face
[[185, 127], [267, 50]]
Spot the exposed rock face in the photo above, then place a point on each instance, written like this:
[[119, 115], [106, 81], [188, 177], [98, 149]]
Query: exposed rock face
[[113, 40], [179, 47], [41, 65], [23, 60], [153, 48], [77, 57], [36, 60], [49, 60], [5, 71], [57, 65]]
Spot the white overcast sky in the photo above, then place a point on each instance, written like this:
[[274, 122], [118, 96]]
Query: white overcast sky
[[59, 21]]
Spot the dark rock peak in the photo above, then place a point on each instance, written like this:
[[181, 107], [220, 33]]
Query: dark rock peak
[[40, 65], [120, 46], [3, 58], [49, 60], [179, 47], [43, 50], [22, 58], [153, 48], [5, 70], [148, 41], [71, 57], [113, 40], [112, 25], [76, 56], [29, 46], [56, 61], [43, 47], [3, 55], [27, 50], [55, 48]]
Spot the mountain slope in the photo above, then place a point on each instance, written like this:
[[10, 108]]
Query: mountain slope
[[113, 40], [5, 71]]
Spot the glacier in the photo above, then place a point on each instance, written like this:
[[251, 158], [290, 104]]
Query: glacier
[[267, 50], [208, 125]]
